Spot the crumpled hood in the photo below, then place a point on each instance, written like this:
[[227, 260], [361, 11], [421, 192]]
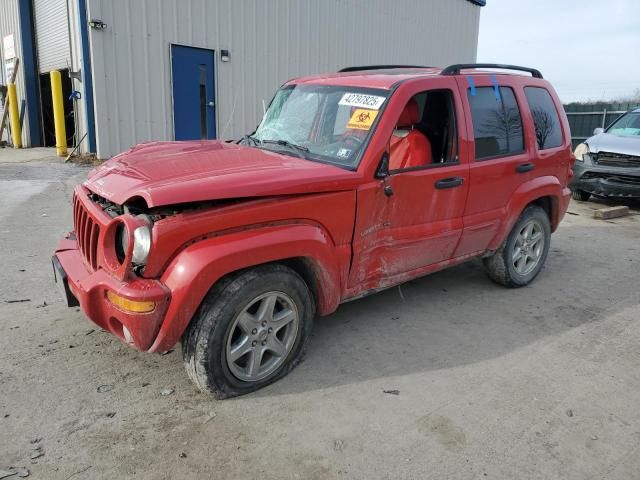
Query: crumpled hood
[[165, 173], [605, 142]]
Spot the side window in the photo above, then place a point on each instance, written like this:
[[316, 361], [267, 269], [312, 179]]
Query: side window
[[545, 117], [497, 124], [426, 133], [421, 98]]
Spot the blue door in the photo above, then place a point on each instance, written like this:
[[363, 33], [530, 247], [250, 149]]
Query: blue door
[[194, 108]]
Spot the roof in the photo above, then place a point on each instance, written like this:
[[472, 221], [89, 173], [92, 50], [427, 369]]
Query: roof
[[387, 78], [384, 79]]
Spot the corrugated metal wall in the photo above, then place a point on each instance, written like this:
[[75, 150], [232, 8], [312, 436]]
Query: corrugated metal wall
[[52, 34], [270, 41], [10, 23]]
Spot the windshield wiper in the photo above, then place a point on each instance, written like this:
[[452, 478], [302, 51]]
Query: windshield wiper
[[286, 143], [250, 139]]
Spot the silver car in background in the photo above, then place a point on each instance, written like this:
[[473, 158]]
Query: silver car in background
[[608, 164]]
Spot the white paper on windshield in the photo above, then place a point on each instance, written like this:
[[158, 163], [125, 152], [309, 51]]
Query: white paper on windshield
[[344, 153], [372, 102]]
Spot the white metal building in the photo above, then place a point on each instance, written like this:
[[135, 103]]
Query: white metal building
[[176, 69]]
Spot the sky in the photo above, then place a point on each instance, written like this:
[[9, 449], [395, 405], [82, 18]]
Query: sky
[[588, 49]]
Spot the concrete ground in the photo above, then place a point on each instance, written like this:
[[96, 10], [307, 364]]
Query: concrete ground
[[23, 155], [537, 383]]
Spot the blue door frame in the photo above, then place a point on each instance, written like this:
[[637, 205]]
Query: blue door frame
[[30, 68], [87, 78], [194, 108]]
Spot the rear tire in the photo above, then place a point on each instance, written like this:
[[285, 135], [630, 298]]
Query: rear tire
[[250, 331], [580, 195], [522, 255]]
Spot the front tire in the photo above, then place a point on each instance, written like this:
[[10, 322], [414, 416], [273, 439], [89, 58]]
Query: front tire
[[580, 195], [250, 331], [522, 255]]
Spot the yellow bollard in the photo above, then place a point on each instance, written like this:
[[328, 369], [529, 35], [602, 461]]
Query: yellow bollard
[[58, 114], [14, 116]]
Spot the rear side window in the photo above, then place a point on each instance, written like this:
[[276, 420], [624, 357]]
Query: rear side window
[[497, 125], [545, 117]]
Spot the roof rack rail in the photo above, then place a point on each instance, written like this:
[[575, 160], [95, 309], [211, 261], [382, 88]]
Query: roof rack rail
[[455, 69], [377, 67]]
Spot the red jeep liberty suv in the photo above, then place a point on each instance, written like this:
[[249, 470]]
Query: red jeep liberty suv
[[352, 183]]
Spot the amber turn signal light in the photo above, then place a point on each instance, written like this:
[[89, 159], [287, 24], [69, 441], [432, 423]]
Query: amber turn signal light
[[132, 306]]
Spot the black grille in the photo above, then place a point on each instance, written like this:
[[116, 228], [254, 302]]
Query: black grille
[[610, 177], [617, 159], [87, 232]]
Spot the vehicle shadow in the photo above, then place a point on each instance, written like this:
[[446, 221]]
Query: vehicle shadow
[[458, 316]]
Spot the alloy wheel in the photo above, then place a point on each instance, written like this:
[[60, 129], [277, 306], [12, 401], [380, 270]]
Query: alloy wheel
[[528, 247], [262, 336]]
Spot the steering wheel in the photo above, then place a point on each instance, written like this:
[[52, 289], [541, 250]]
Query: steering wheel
[[352, 140]]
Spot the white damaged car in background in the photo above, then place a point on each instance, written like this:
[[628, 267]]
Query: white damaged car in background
[[608, 164]]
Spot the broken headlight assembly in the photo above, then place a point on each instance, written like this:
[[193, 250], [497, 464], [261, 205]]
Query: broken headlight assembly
[[141, 244], [141, 241], [582, 153]]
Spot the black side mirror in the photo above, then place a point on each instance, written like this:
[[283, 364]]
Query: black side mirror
[[383, 172], [383, 168]]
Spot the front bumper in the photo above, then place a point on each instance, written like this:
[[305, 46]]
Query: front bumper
[[89, 289], [606, 181]]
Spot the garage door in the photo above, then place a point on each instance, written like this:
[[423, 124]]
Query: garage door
[[52, 34]]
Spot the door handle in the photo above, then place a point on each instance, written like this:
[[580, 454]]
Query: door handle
[[525, 167], [450, 182], [211, 104]]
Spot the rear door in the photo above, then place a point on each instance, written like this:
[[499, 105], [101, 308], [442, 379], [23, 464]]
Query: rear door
[[501, 157]]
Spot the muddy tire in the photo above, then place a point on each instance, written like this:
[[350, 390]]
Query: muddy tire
[[522, 255], [580, 195], [250, 331]]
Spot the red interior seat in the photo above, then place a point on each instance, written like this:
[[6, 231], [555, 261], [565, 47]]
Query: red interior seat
[[409, 147]]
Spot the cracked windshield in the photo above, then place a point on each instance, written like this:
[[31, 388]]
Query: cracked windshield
[[321, 123], [627, 126]]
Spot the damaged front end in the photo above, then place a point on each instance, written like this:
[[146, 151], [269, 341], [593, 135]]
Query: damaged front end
[[607, 174], [98, 264], [110, 264]]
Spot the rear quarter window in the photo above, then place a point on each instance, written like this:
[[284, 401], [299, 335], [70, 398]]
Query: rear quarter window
[[545, 117]]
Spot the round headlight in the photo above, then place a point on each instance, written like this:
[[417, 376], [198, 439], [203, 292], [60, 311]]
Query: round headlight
[[581, 151], [141, 244], [122, 242]]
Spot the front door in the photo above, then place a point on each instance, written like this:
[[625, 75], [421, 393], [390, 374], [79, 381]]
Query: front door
[[413, 218], [194, 108]]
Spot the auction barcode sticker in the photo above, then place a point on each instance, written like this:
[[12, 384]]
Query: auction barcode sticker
[[371, 102]]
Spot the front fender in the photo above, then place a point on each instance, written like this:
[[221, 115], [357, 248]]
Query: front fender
[[198, 267], [548, 186]]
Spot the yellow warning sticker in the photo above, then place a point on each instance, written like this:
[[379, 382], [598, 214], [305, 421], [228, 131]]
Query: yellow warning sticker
[[362, 119]]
